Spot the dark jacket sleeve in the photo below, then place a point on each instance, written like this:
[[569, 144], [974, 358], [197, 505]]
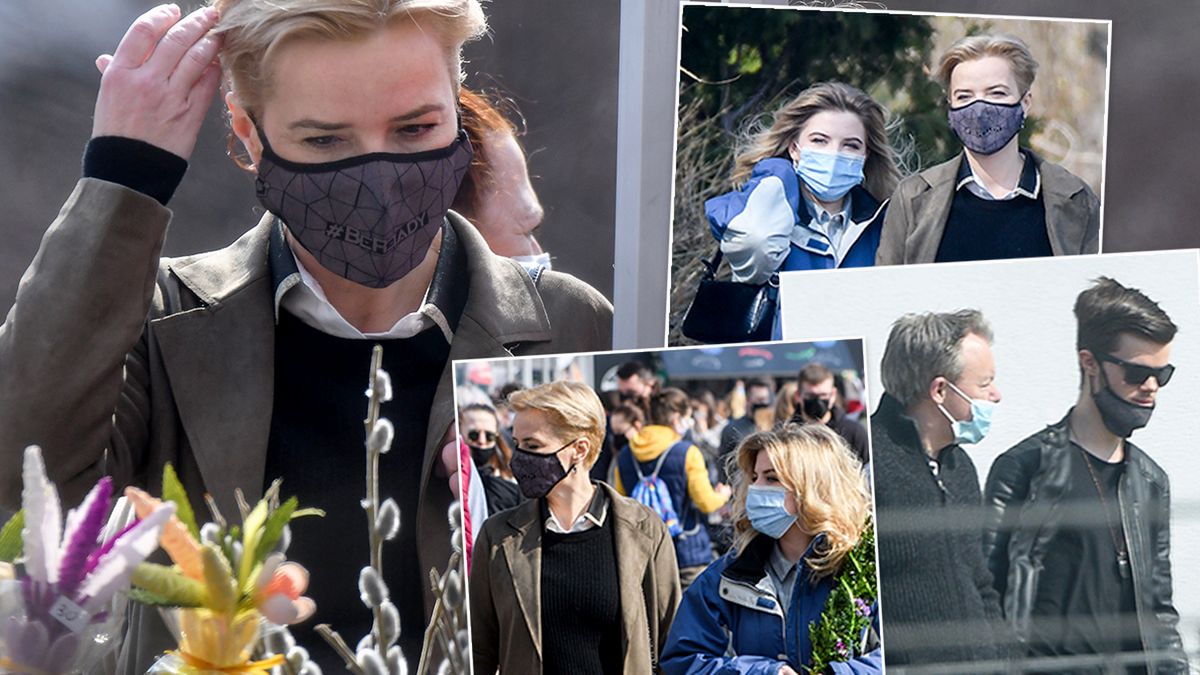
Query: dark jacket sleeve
[[1164, 607], [1005, 492], [73, 357]]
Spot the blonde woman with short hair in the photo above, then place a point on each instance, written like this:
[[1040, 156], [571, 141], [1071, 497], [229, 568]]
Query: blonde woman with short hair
[[800, 507], [996, 199], [578, 579], [246, 364]]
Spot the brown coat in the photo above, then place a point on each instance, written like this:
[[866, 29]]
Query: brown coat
[[506, 628], [115, 361], [917, 213]]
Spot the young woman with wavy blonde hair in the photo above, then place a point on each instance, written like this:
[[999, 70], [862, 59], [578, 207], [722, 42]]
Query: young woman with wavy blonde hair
[[811, 188], [800, 507]]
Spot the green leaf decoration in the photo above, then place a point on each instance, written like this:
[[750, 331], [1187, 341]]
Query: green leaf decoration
[[301, 513], [173, 492], [252, 528], [147, 598], [273, 529], [11, 543], [222, 590], [166, 586]]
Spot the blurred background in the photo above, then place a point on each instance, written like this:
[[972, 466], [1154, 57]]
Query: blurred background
[[739, 64], [556, 61]]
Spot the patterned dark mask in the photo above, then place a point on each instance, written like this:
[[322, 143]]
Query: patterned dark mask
[[370, 219], [986, 127], [538, 473]]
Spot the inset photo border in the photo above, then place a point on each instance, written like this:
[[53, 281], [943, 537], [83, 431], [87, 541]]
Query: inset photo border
[[749, 81]]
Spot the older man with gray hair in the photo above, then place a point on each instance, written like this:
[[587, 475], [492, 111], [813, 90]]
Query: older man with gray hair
[[939, 391]]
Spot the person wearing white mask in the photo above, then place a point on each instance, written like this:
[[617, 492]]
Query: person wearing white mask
[[663, 470], [800, 518], [940, 390], [811, 189]]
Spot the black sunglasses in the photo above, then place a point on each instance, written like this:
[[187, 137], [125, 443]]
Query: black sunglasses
[[479, 435], [1136, 373]]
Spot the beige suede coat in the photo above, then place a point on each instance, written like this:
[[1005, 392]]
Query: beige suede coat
[[115, 362], [505, 587]]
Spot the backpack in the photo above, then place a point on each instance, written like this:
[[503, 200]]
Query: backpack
[[653, 493]]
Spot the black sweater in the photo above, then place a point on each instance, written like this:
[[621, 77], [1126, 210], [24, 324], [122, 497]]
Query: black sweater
[[936, 592]]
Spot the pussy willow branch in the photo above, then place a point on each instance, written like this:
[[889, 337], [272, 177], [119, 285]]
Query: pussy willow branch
[[373, 491], [339, 645]]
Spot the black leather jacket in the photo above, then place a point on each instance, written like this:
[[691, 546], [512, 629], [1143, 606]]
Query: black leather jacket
[[1022, 497]]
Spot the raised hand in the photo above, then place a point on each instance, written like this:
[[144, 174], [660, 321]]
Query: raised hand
[[158, 84]]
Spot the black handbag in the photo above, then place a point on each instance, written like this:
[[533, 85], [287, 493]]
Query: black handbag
[[729, 311]]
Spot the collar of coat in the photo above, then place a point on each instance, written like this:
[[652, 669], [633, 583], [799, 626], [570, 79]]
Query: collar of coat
[[225, 343]]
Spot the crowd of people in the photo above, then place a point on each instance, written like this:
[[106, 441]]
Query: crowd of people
[[646, 522]]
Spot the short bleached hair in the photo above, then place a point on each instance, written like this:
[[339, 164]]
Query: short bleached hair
[[573, 410], [252, 30], [974, 47]]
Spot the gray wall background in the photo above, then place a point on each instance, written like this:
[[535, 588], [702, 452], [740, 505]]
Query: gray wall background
[[557, 59]]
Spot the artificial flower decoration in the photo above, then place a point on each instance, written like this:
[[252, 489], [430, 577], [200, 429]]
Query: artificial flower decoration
[[848, 617], [224, 580], [280, 597], [60, 614]]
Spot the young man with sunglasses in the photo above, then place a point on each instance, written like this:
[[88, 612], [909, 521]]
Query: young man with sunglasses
[[1078, 530]]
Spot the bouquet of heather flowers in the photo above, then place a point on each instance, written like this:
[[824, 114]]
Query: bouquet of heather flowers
[[64, 611], [845, 625], [225, 580]]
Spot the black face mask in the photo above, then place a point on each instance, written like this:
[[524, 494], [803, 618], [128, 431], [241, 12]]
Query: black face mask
[[538, 473], [755, 407], [481, 456], [1121, 417], [814, 407], [627, 397]]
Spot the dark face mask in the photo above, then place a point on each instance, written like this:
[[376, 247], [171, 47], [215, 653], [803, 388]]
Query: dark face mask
[[1121, 417], [986, 127], [815, 407], [481, 456], [370, 219], [537, 473]]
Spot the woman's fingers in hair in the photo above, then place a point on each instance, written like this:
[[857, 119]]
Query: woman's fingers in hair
[[196, 59], [144, 34], [158, 84]]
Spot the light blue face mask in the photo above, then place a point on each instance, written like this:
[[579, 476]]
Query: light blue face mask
[[974, 429], [829, 175], [764, 507]]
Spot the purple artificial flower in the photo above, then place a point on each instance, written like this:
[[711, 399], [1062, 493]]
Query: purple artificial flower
[[842, 650], [861, 608], [79, 540]]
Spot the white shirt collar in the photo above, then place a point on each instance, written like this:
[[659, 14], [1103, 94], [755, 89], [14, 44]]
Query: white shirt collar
[[303, 297]]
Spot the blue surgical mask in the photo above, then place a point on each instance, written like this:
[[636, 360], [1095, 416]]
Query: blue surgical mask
[[829, 175], [764, 508], [974, 429]]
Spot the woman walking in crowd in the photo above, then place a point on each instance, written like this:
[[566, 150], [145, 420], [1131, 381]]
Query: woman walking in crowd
[[799, 512], [578, 579], [480, 429], [996, 199], [660, 456]]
